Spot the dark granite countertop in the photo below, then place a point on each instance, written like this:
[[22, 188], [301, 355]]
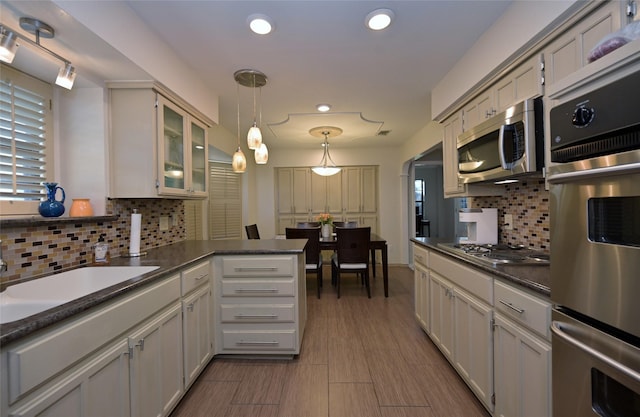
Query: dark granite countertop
[[535, 277], [171, 259]]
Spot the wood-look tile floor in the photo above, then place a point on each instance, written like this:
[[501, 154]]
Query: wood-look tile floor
[[360, 357]]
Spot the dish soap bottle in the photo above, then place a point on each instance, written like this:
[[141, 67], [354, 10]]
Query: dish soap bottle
[[101, 251]]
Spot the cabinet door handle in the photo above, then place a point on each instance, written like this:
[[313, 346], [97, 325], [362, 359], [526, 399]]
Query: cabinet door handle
[[190, 307], [248, 342], [141, 344], [512, 307], [256, 316], [256, 269], [200, 277], [256, 290]]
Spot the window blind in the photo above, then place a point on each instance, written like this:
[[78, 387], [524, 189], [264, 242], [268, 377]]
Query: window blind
[[225, 202], [24, 123]]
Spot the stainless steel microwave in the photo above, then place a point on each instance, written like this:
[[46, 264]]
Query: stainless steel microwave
[[509, 145]]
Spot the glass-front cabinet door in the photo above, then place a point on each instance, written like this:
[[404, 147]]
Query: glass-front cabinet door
[[171, 147], [198, 161]]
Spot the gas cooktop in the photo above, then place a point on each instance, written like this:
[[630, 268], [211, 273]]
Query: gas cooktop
[[498, 254]]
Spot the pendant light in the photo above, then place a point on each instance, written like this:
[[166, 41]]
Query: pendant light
[[326, 167], [253, 79], [261, 153], [239, 162]]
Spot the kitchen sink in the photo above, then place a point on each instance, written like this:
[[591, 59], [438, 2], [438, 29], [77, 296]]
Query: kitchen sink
[[28, 298]]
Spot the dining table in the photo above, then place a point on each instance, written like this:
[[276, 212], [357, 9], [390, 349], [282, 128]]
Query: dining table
[[376, 243]]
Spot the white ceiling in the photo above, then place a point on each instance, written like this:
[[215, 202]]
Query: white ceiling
[[320, 52]]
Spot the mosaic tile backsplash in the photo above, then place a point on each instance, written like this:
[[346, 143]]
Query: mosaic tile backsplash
[[33, 251], [528, 203]]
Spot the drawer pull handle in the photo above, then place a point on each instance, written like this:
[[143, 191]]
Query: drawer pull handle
[[257, 290], [512, 307], [248, 342], [190, 307], [256, 316], [201, 276], [256, 268]]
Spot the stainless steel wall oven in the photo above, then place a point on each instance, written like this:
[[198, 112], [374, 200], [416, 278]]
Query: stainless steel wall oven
[[595, 251]]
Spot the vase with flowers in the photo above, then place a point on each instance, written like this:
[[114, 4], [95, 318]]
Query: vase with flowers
[[326, 220]]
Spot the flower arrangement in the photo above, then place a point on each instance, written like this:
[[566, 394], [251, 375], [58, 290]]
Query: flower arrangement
[[324, 218]]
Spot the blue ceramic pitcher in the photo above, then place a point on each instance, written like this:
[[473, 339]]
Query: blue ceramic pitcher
[[50, 207]]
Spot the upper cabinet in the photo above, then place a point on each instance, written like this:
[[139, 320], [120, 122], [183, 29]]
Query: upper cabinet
[[157, 148], [568, 52]]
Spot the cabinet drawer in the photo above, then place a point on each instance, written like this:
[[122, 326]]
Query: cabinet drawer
[[257, 313], [258, 288], [194, 277], [258, 266], [524, 308], [420, 255], [472, 280], [259, 340]]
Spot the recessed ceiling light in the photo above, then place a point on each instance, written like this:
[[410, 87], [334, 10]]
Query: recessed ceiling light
[[260, 24], [323, 107], [379, 19]]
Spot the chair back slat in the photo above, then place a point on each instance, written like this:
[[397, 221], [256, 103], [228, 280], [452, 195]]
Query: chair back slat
[[306, 225], [353, 244], [312, 249], [252, 231]]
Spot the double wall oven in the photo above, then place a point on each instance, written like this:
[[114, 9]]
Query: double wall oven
[[595, 250]]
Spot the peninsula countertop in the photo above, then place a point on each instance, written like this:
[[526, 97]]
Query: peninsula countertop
[[536, 277], [170, 259]]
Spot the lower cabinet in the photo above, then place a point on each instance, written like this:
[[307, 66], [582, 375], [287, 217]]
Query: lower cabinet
[[260, 304], [197, 320], [99, 387], [156, 365], [461, 328], [493, 332], [522, 371]]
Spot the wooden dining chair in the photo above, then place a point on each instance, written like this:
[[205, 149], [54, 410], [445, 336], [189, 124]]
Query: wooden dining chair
[[252, 231], [306, 225], [351, 224], [352, 254], [313, 257]]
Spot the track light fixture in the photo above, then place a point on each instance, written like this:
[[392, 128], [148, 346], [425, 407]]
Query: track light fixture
[[9, 46]]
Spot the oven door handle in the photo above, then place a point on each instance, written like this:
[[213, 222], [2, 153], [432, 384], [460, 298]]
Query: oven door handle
[[558, 331], [593, 172]]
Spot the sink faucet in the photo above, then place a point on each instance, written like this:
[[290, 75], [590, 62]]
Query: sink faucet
[[3, 264]]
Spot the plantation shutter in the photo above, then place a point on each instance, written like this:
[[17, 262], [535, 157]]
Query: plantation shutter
[[193, 219], [225, 202], [24, 124]]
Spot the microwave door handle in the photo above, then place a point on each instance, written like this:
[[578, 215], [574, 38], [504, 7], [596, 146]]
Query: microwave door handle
[[503, 162]]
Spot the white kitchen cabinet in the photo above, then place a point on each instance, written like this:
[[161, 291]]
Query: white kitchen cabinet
[[523, 82], [473, 344], [326, 195], [522, 371], [569, 51], [293, 191], [522, 344], [261, 304], [442, 314], [97, 388], [158, 144], [360, 190], [157, 364], [421, 287], [197, 319]]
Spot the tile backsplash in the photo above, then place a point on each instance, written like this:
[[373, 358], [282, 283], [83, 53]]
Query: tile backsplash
[[528, 202], [41, 249]]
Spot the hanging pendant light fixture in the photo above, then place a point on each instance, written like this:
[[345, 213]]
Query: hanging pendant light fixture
[[253, 79], [261, 153], [239, 162], [326, 167]]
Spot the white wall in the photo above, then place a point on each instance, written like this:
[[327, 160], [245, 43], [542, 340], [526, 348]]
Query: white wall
[[522, 21]]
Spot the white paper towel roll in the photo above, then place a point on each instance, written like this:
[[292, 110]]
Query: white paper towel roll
[[134, 241]]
